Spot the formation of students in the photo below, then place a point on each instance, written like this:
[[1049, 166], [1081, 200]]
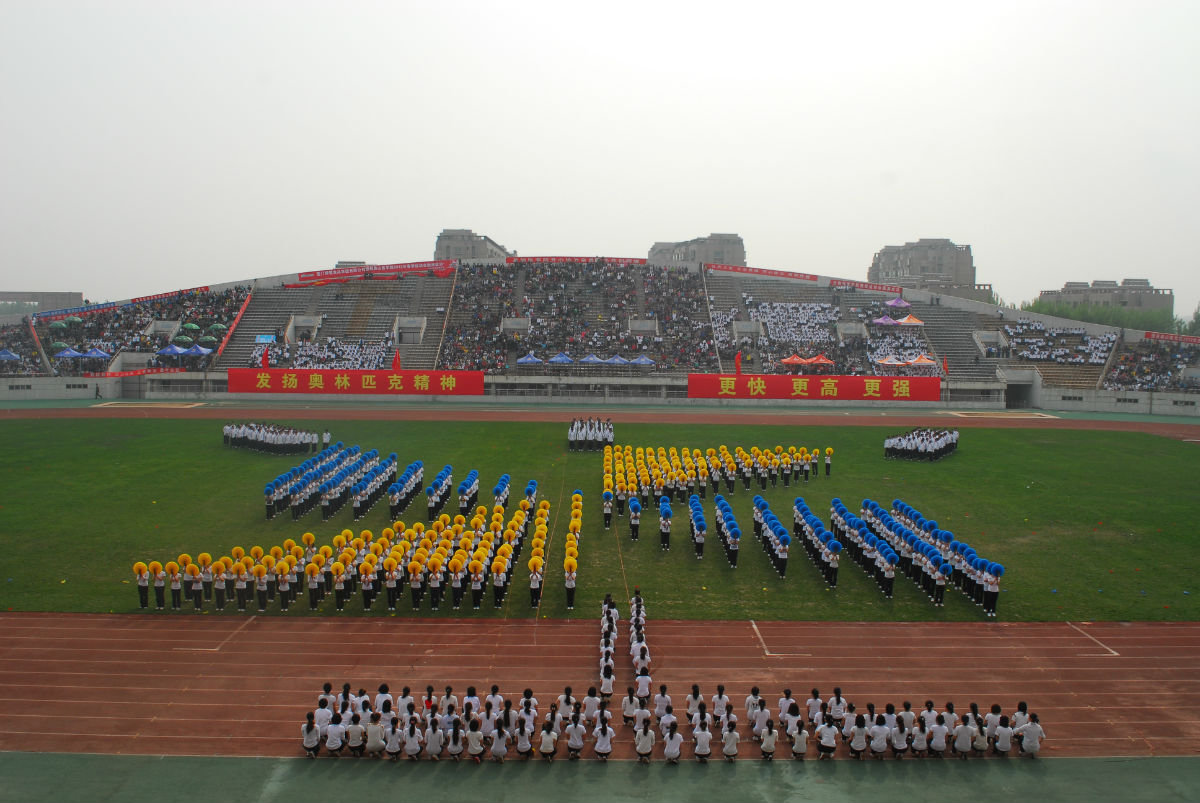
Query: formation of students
[[590, 434], [921, 444], [494, 726], [272, 438]]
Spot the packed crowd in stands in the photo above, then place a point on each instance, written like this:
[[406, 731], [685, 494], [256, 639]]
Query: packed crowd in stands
[[329, 352], [903, 345], [579, 308], [432, 726], [1155, 366], [485, 295], [124, 328], [16, 338], [1031, 340]]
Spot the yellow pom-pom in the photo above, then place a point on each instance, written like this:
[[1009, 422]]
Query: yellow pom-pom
[[140, 568]]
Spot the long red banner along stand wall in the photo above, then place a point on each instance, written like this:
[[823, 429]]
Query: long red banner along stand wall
[[379, 383], [838, 388]]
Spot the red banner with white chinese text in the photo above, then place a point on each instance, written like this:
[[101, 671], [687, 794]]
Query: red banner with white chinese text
[[350, 383], [835, 388]]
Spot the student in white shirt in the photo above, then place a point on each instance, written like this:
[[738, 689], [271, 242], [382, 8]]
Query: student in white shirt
[[880, 735], [604, 735], [394, 740], [759, 719], [920, 738], [376, 737], [1002, 739], [702, 737], [474, 742], [549, 740], [335, 736], [575, 733], [720, 702], [937, 736], [751, 702], [964, 737], [667, 720], [767, 739], [643, 742], [798, 737], [672, 744], [591, 704], [1031, 734], [524, 738], [500, 746], [413, 739], [729, 743], [323, 715], [435, 740], [858, 737], [898, 738], [827, 736], [311, 737], [813, 707]]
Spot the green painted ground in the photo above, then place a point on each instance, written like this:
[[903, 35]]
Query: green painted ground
[[66, 777], [1091, 525]]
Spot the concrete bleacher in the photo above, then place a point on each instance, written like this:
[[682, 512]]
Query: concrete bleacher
[[268, 313], [950, 333]]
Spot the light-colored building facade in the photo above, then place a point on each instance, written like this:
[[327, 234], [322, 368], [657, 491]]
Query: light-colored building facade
[[929, 264], [720, 249], [1134, 293], [466, 244]]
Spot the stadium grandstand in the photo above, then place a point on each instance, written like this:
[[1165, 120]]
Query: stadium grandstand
[[588, 328]]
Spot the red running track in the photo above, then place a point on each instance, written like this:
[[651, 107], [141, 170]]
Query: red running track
[[196, 685]]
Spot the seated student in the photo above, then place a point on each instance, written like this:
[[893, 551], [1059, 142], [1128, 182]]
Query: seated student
[[474, 742], [356, 736], [798, 737], [937, 736], [335, 736], [827, 737], [880, 736], [899, 738], [376, 737], [643, 742], [575, 733], [603, 734], [1031, 734], [394, 739], [413, 739], [435, 740], [524, 738], [729, 743], [919, 738], [858, 737], [702, 737], [1002, 739], [548, 745], [766, 739], [500, 745], [311, 736]]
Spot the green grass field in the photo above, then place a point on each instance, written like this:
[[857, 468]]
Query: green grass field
[[1091, 525]]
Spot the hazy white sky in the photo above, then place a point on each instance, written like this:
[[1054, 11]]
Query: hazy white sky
[[148, 146]]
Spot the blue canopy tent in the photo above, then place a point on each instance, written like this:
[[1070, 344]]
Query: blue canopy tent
[[529, 359], [196, 351], [68, 353], [616, 359], [560, 359], [641, 359], [171, 351], [95, 353], [591, 359], [5, 354]]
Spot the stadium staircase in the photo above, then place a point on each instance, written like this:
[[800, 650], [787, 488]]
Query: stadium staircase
[[950, 334], [268, 313]]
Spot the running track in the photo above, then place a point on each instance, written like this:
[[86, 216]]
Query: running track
[[234, 686]]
